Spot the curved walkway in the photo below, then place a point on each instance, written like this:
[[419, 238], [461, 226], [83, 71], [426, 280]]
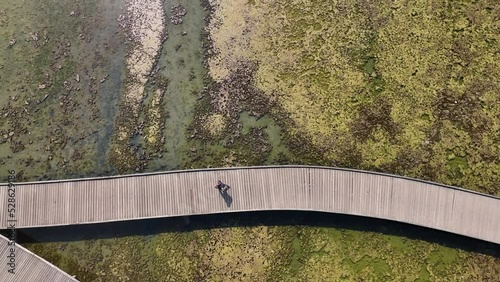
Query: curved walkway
[[191, 192], [26, 266]]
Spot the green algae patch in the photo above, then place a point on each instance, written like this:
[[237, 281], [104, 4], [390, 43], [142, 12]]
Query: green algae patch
[[219, 254], [356, 74], [52, 123], [241, 247]]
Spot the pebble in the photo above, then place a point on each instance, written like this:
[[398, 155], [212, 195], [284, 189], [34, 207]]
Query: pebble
[[177, 12]]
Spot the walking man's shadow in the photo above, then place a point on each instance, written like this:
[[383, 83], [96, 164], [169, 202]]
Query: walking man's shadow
[[227, 198]]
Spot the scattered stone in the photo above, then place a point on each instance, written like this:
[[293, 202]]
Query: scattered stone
[[34, 36], [42, 86], [44, 97], [72, 13], [177, 13], [77, 78], [11, 133], [12, 42], [184, 33]]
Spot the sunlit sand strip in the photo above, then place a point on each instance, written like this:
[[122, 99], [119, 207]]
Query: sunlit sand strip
[[145, 27], [154, 115]]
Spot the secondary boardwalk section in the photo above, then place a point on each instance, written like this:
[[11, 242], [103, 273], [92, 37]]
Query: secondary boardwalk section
[[192, 192], [27, 266]]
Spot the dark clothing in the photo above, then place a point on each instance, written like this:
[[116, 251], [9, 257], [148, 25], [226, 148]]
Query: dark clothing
[[219, 185]]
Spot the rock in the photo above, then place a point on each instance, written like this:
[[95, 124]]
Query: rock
[[12, 42], [34, 36], [177, 13], [77, 78]]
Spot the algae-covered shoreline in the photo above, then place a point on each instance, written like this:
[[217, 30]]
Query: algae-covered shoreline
[[378, 85], [265, 246]]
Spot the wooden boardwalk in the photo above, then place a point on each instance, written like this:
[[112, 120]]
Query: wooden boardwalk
[[179, 193], [28, 266]]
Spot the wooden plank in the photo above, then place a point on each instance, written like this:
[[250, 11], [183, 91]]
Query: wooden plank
[[29, 267], [256, 188]]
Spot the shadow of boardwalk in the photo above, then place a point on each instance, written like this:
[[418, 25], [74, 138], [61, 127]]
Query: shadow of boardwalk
[[150, 227], [227, 198]]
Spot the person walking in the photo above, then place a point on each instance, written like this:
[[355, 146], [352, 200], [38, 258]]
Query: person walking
[[222, 186], [219, 185]]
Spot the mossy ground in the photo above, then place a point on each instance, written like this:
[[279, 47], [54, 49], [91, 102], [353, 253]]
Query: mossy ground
[[402, 87], [408, 87], [266, 246], [52, 122]]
